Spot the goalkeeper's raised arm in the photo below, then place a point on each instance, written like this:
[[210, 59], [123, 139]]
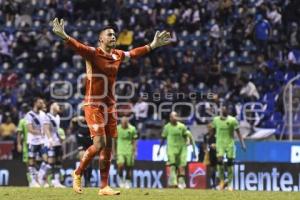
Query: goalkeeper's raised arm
[[107, 41]]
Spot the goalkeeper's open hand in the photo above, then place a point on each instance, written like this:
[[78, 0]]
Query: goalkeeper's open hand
[[58, 28], [160, 39]]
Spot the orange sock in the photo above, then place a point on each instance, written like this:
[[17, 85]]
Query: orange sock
[[89, 154], [104, 165]]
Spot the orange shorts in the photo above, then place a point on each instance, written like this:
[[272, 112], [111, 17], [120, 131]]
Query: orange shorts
[[100, 122]]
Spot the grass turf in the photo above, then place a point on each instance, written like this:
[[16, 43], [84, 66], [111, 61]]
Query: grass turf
[[23, 193]]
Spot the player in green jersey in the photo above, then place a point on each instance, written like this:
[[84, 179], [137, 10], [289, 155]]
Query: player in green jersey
[[178, 137], [22, 139], [22, 132], [224, 127], [22, 135], [126, 150]]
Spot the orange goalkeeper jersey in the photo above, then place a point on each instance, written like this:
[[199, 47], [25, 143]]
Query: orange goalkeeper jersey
[[101, 71]]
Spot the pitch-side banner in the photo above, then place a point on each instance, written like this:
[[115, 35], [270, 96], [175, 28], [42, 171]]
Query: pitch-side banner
[[149, 174], [267, 176], [145, 174]]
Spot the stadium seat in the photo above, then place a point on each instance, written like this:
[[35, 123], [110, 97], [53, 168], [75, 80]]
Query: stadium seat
[[288, 76], [231, 68], [184, 35], [245, 58], [56, 77], [27, 77], [71, 78], [249, 46], [279, 76]]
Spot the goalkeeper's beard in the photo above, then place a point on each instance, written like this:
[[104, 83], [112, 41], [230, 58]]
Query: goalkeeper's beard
[[111, 45]]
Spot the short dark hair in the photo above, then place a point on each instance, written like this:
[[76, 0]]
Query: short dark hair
[[110, 26], [35, 99]]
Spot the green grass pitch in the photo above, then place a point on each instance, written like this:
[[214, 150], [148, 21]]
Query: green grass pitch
[[23, 193]]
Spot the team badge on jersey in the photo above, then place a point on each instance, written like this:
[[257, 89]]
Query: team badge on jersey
[[95, 127], [114, 56]]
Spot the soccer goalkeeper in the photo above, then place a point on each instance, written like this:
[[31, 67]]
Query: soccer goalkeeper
[[102, 64], [225, 126], [178, 136]]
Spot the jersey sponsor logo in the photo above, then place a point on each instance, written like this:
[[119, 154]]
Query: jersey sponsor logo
[[114, 56], [95, 127]]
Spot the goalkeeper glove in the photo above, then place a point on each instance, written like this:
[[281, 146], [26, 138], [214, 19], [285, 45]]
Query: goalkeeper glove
[[58, 28], [160, 39]]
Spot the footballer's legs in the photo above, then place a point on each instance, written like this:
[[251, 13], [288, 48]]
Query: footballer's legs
[[181, 177], [32, 172], [51, 162], [181, 169], [172, 182], [88, 171], [106, 154], [120, 164], [104, 164], [230, 163], [212, 177], [221, 168], [173, 175], [56, 168], [95, 122], [212, 169], [89, 154], [44, 166], [128, 183]]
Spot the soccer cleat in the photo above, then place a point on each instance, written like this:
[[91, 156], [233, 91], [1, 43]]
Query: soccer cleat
[[221, 185], [108, 191], [46, 185], [34, 184], [121, 183], [229, 188], [181, 186], [77, 183], [181, 183], [57, 184], [127, 184], [41, 181]]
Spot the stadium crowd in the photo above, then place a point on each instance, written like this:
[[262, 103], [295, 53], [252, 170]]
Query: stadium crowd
[[242, 50]]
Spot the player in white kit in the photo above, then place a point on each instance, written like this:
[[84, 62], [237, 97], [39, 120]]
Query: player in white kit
[[34, 141], [41, 176], [53, 142]]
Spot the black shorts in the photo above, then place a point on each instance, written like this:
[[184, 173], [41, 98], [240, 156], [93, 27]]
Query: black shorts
[[55, 152], [83, 141], [35, 151]]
